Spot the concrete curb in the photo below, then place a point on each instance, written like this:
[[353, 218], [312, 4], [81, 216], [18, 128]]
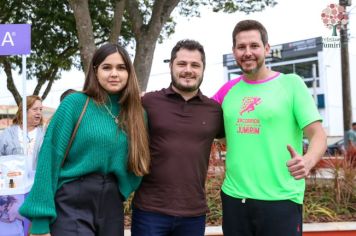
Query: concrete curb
[[330, 226]]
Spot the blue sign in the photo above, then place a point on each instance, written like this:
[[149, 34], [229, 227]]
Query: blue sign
[[15, 39]]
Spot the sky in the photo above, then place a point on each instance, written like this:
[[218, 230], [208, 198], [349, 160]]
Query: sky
[[288, 21]]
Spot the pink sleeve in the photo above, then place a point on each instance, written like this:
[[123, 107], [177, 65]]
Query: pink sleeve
[[220, 95]]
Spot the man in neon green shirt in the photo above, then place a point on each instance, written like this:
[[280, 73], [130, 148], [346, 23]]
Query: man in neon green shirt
[[266, 114]]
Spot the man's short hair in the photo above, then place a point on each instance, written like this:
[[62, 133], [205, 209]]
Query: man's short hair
[[246, 25], [190, 45]]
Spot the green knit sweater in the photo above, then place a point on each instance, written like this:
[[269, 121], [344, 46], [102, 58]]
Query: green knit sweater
[[99, 147]]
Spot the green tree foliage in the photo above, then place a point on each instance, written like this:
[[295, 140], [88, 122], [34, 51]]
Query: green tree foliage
[[53, 42], [66, 33], [247, 6]]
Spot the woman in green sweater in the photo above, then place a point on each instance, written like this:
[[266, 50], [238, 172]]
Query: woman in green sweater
[[107, 158]]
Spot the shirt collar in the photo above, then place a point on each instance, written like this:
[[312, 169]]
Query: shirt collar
[[170, 91]]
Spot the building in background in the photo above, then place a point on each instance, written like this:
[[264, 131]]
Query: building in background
[[318, 62]]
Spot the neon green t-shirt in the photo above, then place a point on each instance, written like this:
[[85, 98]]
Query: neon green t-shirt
[[260, 119]]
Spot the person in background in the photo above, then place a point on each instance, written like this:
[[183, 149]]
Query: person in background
[[265, 116], [350, 138], [11, 139], [66, 93], [182, 126], [82, 195]]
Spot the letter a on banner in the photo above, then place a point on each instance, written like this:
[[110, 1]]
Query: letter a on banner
[[7, 39]]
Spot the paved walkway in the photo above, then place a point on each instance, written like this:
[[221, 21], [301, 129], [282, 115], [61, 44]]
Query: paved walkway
[[314, 227]]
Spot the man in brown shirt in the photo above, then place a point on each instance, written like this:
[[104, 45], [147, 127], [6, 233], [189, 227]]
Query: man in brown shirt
[[182, 126]]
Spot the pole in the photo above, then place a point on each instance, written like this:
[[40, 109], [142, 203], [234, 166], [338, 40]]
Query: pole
[[315, 95], [345, 75], [24, 105]]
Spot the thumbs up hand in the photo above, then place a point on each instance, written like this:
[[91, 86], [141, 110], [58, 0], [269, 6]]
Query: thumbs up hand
[[296, 165]]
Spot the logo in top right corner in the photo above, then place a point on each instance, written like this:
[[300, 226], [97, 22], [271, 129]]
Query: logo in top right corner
[[334, 18]]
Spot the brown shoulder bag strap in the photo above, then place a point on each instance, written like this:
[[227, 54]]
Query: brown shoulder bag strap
[[75, 130]]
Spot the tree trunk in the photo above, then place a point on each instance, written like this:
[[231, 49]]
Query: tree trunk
[[117, 21], [84, 31], [147, 35], [10, 81], [145, 48]]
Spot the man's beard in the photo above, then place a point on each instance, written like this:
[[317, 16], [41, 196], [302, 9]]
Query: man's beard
[[254, 70], [184, 88]]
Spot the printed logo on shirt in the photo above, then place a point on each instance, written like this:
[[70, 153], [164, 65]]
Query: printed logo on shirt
[[249, 125], [249, 104]]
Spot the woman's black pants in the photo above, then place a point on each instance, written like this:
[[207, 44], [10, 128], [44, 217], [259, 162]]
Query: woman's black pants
[[89, 206]]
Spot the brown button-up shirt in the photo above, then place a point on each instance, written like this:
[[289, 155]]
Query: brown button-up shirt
[[181, 133]]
